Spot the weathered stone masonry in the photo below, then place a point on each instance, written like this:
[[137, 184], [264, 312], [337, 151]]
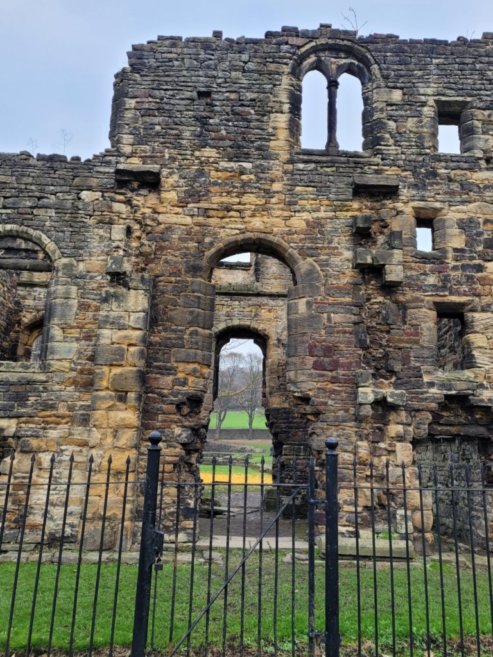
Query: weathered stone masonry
[[205, 162]]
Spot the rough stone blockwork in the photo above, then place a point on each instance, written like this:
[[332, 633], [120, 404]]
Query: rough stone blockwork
[[366, 337]]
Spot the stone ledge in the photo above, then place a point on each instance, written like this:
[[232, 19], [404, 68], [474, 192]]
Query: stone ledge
[[13, 366], [342, 157], [375, 184]]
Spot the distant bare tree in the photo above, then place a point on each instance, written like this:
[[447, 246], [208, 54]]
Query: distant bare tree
[[251, 397], [352, 20], [65, 137], [229, 387], [239, 387], [32, 145]]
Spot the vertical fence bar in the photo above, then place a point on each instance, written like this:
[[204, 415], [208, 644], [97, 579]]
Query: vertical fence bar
[[440, 559], [23, 520], [293, 560], [40, 556], [80, 555], [408, 562], [331, 551], [60, 554], [311, 557], [6, 498], [467, 473], [157, 566], [175, 551], [276, 555], [227, 556], [119, 559], [373, 554], [391, 555], [209, 565], [425, 565], [196, 495], [243, 553], [487, 540], [260, 559], [100, 557], [457, 556], [143, 592], [358, 565]]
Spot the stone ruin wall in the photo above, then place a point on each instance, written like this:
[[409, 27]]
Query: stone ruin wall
[[205, 161]]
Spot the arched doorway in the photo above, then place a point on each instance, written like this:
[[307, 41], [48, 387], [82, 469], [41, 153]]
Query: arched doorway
[[253, 291]]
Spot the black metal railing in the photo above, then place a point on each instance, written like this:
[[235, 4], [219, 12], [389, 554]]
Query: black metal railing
[[66, 583], [367, 557]]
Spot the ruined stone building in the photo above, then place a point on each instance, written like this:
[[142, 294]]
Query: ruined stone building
[[115, 302]]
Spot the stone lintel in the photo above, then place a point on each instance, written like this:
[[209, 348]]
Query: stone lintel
[[144, 173], [375, 184]]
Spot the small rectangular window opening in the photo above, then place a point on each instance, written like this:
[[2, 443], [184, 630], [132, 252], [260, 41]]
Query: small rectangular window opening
[[450, 333], [449, 138], [424, 235], [449, 118], [204, 94]]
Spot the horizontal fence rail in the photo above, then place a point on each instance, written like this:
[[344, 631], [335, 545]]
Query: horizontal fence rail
[[294, 558]]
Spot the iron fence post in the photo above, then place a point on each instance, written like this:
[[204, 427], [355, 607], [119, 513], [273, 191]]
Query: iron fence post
[[149, 548], [332, 638]]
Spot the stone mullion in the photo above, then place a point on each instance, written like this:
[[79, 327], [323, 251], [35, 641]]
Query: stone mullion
[[332, 145]]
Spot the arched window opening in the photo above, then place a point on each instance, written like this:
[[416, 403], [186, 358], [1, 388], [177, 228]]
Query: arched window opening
[[349, 113], [334, 90], [254, 272], [239, 394], [25, 274], [314, 111]]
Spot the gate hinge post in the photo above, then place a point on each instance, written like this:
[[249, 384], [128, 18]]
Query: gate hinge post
[[151, 546]]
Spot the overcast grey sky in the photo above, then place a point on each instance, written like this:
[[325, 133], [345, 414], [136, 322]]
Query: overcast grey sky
[[58, 57]]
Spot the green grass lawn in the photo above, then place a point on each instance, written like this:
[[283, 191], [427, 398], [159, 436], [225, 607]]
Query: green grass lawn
[[239, 420], [272, 623]]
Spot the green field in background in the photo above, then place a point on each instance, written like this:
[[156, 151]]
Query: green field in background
[[239, 420]]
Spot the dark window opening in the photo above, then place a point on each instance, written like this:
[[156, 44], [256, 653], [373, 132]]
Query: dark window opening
[[485, 449], [204, 94], [7, 446], [424, 235], [30, 342], [25, 275], [450, 333]]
